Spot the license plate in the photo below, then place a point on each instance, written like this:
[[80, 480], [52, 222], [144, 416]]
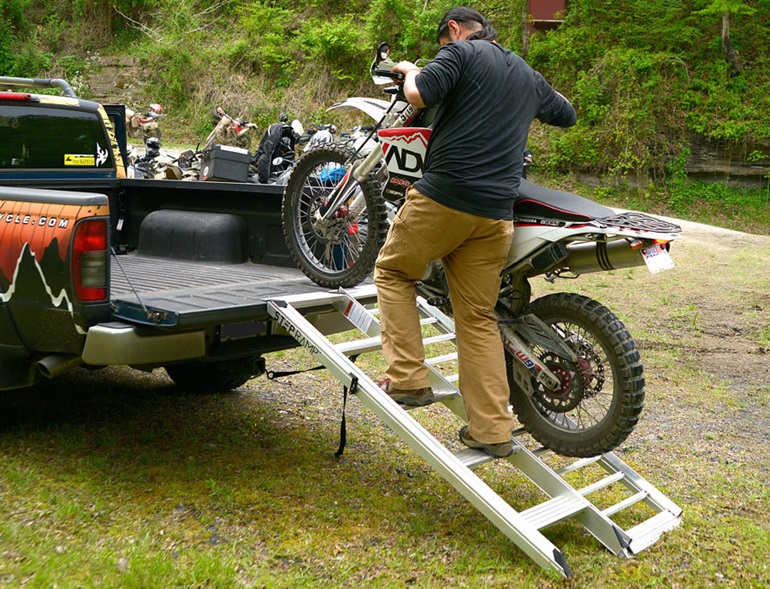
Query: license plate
[[657, 258]]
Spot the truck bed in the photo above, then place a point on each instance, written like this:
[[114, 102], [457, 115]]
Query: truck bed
[[182, 294]]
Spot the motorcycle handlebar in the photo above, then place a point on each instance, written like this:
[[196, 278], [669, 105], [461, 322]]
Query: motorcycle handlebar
[[389, 74]]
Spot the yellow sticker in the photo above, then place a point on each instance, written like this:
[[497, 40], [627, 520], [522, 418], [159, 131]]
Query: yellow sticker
[[75, 159]]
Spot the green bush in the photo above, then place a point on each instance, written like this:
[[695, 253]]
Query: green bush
[[337, 43]]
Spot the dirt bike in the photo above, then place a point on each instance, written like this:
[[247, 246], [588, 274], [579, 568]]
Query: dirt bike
[[276, 153], [574, 371], [229, 131], [146, 125]]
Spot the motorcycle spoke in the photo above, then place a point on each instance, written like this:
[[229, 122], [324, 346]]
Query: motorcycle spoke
[[336, 253], [600, 391], [596, 399]]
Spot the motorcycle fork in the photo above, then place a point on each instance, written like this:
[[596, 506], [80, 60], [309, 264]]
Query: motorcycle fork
[[526, 365], [354, 177], [357, 173]]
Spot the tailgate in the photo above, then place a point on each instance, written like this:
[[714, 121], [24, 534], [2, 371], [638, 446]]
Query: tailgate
[[36, 238], [191, 295]]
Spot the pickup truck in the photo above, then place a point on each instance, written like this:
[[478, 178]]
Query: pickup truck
[[97, 269]]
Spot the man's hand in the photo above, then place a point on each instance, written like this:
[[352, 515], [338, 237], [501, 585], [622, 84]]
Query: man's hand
[[402, 67], [410, 71]]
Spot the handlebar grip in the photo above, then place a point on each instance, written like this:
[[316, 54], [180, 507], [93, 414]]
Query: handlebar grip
[[389, 74]]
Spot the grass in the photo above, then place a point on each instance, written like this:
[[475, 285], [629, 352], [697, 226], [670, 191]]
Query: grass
[[117, 479], [720, 203]]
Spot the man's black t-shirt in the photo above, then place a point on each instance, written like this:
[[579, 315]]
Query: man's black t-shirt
[[487, 98]]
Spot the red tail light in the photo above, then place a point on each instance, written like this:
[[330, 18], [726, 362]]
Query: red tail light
[[89, 260]]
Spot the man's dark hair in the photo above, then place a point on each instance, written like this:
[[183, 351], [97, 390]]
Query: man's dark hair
[[463, 14]]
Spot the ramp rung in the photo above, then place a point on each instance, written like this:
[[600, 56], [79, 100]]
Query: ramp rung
[[625, 504], [441, 359], [605, 482], [554, 510], [435, 339], [371, 344], [647, 533], [577, 465], [439, 396], [442, 396], [360, 346], [473, 458]]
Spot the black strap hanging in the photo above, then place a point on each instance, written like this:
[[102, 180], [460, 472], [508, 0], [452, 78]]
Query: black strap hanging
[[271, 375], [343, 428]]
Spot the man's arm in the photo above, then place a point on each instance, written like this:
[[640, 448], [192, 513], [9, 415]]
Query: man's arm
[[411, 92], [554, 108]]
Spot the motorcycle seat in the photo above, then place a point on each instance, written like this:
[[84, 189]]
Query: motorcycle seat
[[540, 202]]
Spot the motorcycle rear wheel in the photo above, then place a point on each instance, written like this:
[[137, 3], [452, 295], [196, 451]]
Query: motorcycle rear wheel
[[339, 252], [602, 394]]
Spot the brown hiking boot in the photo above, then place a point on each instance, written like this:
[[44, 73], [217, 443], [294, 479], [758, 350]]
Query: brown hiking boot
[[500, 450], [409, 397]]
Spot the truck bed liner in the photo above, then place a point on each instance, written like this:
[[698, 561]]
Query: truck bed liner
[[172, 293]]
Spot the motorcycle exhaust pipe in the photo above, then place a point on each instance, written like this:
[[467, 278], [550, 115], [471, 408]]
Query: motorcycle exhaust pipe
[[584, 258], [56, 364]]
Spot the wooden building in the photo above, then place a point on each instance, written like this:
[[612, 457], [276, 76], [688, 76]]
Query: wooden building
[[546, 14]]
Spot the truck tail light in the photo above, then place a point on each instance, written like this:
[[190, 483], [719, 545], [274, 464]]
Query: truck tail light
[[89, 260]]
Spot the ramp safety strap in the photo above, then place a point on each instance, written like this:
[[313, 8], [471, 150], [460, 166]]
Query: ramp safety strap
[[343, 428]]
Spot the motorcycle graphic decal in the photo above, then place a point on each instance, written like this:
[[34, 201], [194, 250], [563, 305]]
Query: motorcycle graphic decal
[[404, 149]]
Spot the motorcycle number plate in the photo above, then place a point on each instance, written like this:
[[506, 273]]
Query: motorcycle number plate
[[657, 258]]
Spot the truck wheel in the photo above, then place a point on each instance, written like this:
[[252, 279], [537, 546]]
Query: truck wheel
[[210, 377]]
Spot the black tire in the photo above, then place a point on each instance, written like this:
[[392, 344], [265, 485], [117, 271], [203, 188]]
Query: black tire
[[243, 142], [602, 406], [343, 254], [209, 377], [156, 132]]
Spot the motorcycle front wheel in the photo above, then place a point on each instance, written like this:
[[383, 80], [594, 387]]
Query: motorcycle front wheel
[[340, 251], [601, 395]]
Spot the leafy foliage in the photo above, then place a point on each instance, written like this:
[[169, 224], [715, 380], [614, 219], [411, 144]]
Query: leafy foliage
[[645, 75]]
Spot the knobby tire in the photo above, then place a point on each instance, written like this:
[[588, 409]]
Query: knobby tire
[[606, 384], [346, 258]]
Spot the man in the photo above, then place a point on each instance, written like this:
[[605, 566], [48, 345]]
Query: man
[[461, 211]]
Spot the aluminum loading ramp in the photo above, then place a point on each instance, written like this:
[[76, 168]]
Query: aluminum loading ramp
[[562, 501]]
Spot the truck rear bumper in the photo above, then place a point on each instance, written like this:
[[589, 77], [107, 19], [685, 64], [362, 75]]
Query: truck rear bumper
[[121, 343]]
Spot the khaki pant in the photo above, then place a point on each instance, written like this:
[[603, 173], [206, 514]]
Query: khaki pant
[[473, 250]]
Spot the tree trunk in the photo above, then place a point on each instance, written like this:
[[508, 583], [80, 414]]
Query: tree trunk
[[525, 30], [732, 55]]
